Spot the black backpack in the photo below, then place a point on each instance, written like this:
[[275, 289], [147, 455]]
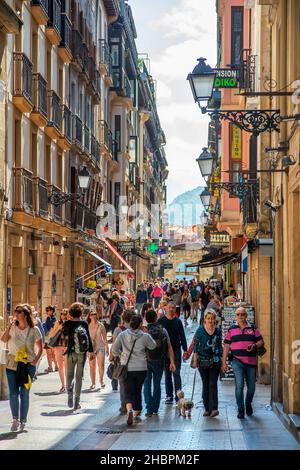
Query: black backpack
[[81, 340], [161, 350]]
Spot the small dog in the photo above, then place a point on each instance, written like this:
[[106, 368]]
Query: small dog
[[184, 405]]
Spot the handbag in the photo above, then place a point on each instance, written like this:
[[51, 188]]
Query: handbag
[[205, 363], [54, 339], [3, 355], [261, 351], [11, 364], [119, 371]]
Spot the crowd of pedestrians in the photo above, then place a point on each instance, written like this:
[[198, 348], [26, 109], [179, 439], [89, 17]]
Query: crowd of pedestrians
[[142, 336]]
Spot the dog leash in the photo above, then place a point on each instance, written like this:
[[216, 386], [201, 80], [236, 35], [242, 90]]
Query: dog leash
[[194, 385]]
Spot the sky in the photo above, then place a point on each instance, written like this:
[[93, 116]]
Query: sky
[[175, 33]]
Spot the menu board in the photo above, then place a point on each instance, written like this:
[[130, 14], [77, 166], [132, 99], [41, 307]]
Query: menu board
[[228, 318]]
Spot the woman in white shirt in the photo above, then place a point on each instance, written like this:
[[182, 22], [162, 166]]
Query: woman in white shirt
[[100, 346], [21, 333]]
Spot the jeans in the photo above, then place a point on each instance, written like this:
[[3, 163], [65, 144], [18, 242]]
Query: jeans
[[176, 376], [152, 399], [157, 301], [19, 409], [210, 386], [74, 360], [139, 308], [133, 388], [242, 372], [114, 384]]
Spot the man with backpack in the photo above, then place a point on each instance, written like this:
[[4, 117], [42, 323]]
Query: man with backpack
[[175, 329], [79, 344], [156, 360]]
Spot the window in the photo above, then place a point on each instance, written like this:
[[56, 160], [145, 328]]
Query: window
[[237, 31], [133, 149], [118, 132], [115, 55]]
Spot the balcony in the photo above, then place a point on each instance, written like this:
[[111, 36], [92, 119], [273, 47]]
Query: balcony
[[76, 50], [65, 141], [85, 63], [97, 94], [106, 137], [84, 218], [247, 72], [41, 198], [105, 58], [56, 211], [112, 7], [54, 116], [95, 150], [92, 75], [64, 49], [77, 133], [23, 190], [39, 11], [22, 75], [39, 112], [53, 27], [87, 140], [68, 213]]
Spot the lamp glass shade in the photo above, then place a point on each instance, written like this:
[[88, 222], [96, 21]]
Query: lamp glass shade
[[205, 197], [202, 81], [205, 162], [204, 218], [84, 178]]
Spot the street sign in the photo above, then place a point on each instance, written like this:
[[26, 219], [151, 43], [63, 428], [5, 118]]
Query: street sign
[[152, 247], [226, 78], [160, 251]]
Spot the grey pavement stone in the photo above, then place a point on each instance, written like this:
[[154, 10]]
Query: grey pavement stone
[[98, 425]]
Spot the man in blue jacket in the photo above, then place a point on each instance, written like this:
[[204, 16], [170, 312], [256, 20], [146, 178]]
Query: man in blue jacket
[[141, 297], [47, 325]]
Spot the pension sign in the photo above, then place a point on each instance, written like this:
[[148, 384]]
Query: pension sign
[[226, 78]]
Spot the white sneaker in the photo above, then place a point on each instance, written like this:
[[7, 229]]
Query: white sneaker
[[15, 425], [22, 426]]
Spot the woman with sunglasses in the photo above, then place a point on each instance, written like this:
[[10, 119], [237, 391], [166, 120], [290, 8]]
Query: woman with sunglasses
[[100, 346], [21, 333], [60, 348]]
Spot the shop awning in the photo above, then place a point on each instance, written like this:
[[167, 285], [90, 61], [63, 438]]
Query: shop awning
[[97, 257], [117, 254], [216, 261]]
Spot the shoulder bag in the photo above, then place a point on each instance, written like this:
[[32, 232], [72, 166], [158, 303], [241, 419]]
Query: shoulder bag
[[120, 372]]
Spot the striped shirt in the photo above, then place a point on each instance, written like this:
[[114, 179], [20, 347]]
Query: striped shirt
[[239, 340]]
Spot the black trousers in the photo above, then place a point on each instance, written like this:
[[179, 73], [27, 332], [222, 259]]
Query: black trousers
[[132, 388], [210, 386]]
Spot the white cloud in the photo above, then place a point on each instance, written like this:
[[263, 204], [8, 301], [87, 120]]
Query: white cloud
[[191, 19]]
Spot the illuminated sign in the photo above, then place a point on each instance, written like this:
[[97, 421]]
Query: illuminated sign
[[226, 78], [236, 150]]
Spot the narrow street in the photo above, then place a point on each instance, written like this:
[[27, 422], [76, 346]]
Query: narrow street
[[98, 426]]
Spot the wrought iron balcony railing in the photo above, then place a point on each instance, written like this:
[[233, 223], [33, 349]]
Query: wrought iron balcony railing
[[68, 213], [54, 13], [22, 76], [41, 198], [66, 128], [247, 71], [106, 138], [54, 110], [76, 47], [95, 150], [87, 139], [66, 32], [39, 94], [77, 131], [105, 57], [23, 190]]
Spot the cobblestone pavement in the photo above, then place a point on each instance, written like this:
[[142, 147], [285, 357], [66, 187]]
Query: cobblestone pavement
[[51, 425]]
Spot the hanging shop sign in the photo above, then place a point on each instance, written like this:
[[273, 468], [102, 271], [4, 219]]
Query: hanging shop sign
[[219, 239], [168, 266], [236, 137], [226, 78], [126, 247]]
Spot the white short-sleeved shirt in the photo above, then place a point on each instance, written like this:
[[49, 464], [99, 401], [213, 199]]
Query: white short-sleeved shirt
[[18, 339]]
